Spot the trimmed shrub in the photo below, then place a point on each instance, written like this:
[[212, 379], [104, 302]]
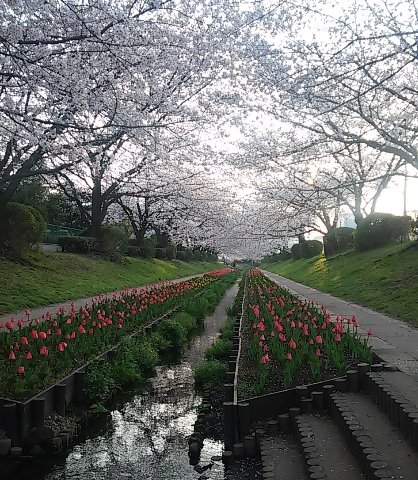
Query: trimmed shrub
[[311, 248], [148, 248], [133, 251], [113, 239], [210, 374], [171, 252], [160, 253], [296, 251], [21, 227], [306, 249], [79, 244], [379, 229], [339, 240]]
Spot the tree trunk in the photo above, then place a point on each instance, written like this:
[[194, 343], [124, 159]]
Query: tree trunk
[[96, 210]]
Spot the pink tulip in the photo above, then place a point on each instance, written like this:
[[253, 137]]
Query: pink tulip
[[265, 359], [44, 351], [24, 340], [289, 356], [318, 339], [20, 369], [28, 356], [12, 355], [292, 344], [34, 334], [318, 352], [337, 337], [42, 335]]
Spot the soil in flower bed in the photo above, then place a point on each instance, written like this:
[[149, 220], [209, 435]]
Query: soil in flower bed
[[287, 342]]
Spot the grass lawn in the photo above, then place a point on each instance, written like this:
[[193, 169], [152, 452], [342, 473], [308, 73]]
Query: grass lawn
[[47, 278], [385, 279]]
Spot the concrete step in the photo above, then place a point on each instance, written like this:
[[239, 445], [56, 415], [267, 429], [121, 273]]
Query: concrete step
[[396, 394], [373, 438], [325, 449], [281, 459]]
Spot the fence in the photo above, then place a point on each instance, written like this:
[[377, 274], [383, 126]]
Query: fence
[[53, 232]]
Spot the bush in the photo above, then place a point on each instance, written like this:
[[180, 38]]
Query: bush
[[174, 332], [227, 331], [21, 227], [306, 249], [133, 251], [100, 382], [219, 350], [339, 240], [197, 309], [148, 248], [296, 251], [79, 244], [171, 252], [160, 253], [188, 322], [113, 239], [209, 374], [311, 248], [379, 229]]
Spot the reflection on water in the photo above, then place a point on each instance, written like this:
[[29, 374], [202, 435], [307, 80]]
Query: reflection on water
[[145, 438]]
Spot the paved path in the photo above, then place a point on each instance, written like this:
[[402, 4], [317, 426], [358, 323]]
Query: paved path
[[393, 340], [37, 312]]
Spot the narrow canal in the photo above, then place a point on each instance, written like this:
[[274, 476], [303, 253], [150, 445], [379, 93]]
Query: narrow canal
[[144, 436]]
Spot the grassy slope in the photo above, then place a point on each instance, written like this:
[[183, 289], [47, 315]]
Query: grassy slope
[[54, 277], [385, 279]]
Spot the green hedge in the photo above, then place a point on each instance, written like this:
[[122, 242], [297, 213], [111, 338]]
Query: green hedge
[[307, 249], [79, 244], [380, 229], [339, 240]]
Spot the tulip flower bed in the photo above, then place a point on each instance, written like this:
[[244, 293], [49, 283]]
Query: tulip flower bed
[[288, 342], [36, 355]]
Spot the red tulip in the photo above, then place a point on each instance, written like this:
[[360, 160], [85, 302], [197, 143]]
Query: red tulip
[[337, 337], [28, 356], [318, 352], [81, 329], [12, 355], [289, 356], [292, 344], [24, 340], [42, 335], [20, 369], [318, 339], [34, 334]]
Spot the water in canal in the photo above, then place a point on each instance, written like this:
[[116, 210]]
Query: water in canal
[[144, 437]]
